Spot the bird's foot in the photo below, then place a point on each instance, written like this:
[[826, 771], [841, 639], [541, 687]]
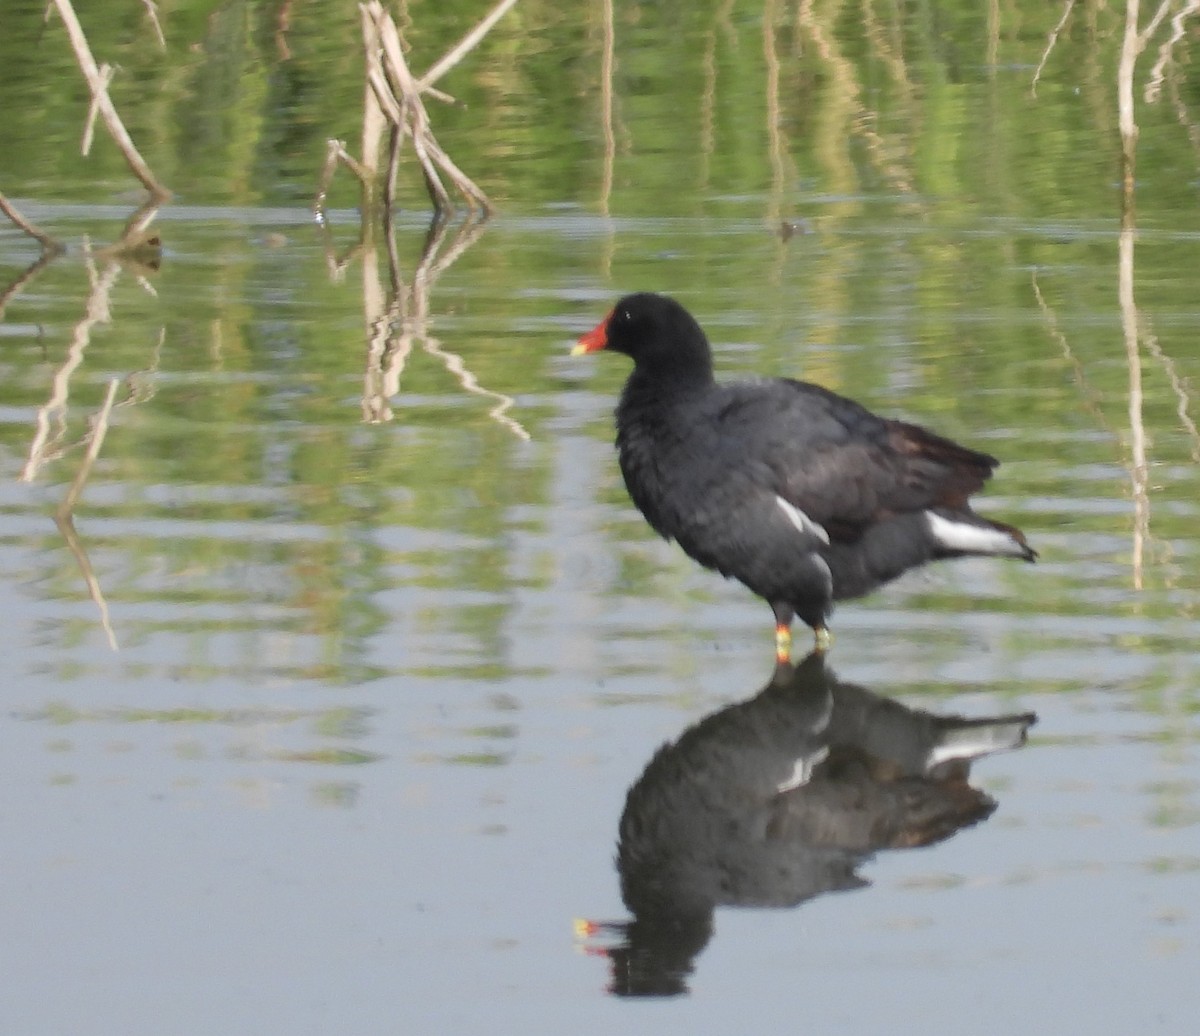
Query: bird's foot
[[783, 644], [823, 638]]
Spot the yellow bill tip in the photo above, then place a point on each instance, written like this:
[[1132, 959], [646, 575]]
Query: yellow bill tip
[[583, 928]]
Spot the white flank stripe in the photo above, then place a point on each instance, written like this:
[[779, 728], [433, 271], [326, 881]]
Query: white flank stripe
[[974, 539], [802, 770], [802, 521]]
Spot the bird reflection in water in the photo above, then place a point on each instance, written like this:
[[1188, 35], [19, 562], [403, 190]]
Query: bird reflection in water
[[779, 799]]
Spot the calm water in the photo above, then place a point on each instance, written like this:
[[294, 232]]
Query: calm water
[[331, 664]]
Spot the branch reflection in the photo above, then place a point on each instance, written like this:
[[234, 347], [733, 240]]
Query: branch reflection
[[401, 319], [777, 800], [139, 251]]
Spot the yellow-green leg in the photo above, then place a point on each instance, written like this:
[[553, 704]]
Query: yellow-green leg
[[783, 643]]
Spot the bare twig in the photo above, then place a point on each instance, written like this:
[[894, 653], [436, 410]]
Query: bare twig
[[32, 229], [152, 13], [1179, 387], [395, 143], [89, 125], [384, 96], [108, 112], [1050, 42], [1182, 114], [1091, 398], [325, 179], [413, 117], [374, 121], [1151, 28], [1131, 46], [464, 46], [335, 153], [1165, 52], [393, 94]]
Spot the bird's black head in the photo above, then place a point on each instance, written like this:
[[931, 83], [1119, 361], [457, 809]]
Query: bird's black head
[[657, 333]]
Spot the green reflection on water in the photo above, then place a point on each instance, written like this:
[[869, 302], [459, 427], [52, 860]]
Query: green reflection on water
[[955, 264]]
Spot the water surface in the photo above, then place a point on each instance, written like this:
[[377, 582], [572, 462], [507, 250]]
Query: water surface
[[329, 672]]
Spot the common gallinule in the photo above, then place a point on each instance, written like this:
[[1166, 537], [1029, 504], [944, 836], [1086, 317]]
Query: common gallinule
[[802, 495]]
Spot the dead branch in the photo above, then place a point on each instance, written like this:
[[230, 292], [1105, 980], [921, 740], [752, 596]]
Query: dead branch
[[48, 243], [1166, 52], [1050, 42], [1131, 46], [608, 65], [89, 125], [414, 121], [1090, 398], [335, 154], [464, 46], [1182, 115], [1179, 387], [103, 103], [393, 97], [152, 14]]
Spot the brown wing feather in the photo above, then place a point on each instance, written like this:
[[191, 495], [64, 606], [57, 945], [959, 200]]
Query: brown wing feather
[[843, 466], [908, 468], [950, 472]]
